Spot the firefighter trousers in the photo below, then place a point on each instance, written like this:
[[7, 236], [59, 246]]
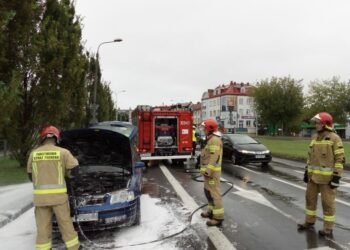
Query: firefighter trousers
[[328, 203], [213, 194], [43, 216]]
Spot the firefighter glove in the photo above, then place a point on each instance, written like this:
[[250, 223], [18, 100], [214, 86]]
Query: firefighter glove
[[306, 176], [334, 183]]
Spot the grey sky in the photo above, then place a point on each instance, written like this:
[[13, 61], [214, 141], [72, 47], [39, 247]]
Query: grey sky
[[175, 50]]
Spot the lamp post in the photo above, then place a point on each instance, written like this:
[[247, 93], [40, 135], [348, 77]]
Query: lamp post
[[94, 105], [116, 103]]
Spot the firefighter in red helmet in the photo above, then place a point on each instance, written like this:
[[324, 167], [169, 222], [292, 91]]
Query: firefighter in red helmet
[[47, 166], [325, 162], [211, 157]]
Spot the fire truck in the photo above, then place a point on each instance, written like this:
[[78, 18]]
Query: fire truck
[[164, 132]]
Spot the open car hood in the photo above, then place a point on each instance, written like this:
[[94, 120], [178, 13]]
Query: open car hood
[[98, 147]]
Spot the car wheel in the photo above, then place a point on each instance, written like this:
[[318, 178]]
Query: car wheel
[[265, 165], [233, 159]]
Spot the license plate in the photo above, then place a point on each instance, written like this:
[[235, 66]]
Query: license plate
[[115, 219], [87, 217], [145, 155], [259, 156]]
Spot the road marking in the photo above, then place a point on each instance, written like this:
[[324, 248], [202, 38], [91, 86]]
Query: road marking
[[259, 198], [294, 185], [287, 182], [300, 172], [215, 235], [248, 170], [322, 248], [303, 188]]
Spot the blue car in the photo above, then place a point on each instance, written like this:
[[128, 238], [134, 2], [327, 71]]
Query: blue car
[[106, 187]]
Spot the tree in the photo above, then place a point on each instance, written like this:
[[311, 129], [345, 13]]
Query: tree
[[47, 54], [331, 96], [104, 100], [278, 101], [17, 69]]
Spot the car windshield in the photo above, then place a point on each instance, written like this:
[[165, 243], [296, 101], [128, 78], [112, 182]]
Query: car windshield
[[242, 139]]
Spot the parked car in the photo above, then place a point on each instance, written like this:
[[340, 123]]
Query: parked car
[[241, 149], [107, 184]]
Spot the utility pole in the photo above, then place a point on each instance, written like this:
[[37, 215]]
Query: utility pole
[[94, 105]]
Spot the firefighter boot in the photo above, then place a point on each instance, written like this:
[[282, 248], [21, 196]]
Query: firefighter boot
[[214, 222], [207, 215], [305, 226], [325, 232]]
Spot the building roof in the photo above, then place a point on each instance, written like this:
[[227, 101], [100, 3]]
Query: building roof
[[233, 88], [197, 106]]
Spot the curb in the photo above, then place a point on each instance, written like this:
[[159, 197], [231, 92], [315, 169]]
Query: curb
[[281, 160], [12, 216]]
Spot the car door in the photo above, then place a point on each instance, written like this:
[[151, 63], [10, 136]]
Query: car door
[[227, 147]]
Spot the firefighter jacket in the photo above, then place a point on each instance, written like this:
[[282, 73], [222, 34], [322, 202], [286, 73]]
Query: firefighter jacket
[[326, 157], [194, 138], [211, 157], [48, 165]]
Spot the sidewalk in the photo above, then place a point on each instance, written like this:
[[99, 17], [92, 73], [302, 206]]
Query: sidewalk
[[15, 200]]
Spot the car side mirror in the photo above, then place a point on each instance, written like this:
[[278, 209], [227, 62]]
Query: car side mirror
[[140, 165]]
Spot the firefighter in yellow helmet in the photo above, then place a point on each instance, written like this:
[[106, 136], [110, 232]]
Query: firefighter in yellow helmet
[[47, 166], [322, 173], [211, 157]]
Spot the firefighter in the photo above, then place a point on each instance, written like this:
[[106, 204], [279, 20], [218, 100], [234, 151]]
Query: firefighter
[[194, 141], [211, 157], [323, 173], [47, 166]]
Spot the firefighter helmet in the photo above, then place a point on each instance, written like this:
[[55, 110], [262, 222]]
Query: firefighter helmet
[[210, 125], [49, 132], [325, 118]]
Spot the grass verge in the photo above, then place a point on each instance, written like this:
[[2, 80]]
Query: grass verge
[[294, 149], [11, 172]]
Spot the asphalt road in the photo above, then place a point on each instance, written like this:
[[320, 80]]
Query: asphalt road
[[261, 212]]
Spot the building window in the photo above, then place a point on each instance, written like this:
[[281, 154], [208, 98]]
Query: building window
[[247, 123], [223, 108], [250, 101], [240, 124], [241, 101], [241, 112], [247, 112]]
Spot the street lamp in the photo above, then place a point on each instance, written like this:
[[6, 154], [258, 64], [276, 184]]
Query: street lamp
[[116, 102], [94, 105]]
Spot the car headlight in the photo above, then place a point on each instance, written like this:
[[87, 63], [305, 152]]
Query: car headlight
[[265, 152], [246, 152], [122, 196]]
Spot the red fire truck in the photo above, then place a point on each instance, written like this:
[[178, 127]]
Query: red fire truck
[[164, 132]]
